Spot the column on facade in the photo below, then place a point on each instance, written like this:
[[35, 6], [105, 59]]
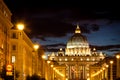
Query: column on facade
[[79, 51], [79, 71], [106, 73], [111, 73], [52, 73], [24, 66], [102, 74], [83, 71], [95, 78], [44, 68], [99, 76], [70, 72]]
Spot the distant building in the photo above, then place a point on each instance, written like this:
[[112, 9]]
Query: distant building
[[107, 69], [77, 57]]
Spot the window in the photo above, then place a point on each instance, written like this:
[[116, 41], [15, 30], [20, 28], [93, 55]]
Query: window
[[14, 47], [14, 35]]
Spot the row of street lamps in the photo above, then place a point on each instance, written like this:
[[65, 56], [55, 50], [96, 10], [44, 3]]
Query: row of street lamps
[[111, 69]]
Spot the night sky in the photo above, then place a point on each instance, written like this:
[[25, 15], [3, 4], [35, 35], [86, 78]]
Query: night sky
[[52, 23]]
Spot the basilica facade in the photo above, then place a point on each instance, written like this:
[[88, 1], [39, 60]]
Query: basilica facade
[[77, 57]]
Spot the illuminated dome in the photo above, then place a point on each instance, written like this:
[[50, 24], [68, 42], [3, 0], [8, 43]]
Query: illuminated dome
[[77, 40], [77, 44]]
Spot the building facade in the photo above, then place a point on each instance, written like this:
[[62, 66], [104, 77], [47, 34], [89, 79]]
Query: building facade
[[16, 48], [24, 56], [5, 25], [77, 57]]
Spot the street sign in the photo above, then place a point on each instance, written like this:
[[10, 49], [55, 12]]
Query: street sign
[[9, 67], [9, 73]]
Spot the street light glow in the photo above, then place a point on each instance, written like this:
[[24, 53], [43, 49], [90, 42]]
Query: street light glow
[[36, 46], [48, 62], [111, 62], [20, 26], [117, 56], [43, 56], [107, 66], [51, 65]]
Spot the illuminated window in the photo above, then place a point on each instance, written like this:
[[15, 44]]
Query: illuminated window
[[13, 59]]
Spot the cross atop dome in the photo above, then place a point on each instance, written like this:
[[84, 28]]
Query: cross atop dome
[[77, 29]]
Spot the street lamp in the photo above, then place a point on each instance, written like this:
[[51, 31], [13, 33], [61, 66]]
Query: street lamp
[[43, 66], [48, 62], [111, 72], [20, 26], [43, 57], [117, 69], [36, 46], [13, 61]]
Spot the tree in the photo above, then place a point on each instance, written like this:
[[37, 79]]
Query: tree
[[28, 77], [34, 77], [118, 78]]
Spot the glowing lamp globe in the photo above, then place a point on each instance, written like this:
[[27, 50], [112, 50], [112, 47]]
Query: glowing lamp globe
[[20, 26]]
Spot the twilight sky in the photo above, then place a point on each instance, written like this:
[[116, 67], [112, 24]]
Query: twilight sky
[[52, 24]]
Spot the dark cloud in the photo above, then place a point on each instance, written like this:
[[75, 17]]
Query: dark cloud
[[95, 27], [54, 47], [114, 50], [107, 47], [88, 28], [56, 19], [41, 38]]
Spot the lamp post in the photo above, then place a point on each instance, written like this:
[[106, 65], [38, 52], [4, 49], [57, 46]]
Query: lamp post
[[111, 72], [43, 66], [20, 27], [51, 71], [13, 61], [36, 46], [117, 69], [48, 69], [106, 71]]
